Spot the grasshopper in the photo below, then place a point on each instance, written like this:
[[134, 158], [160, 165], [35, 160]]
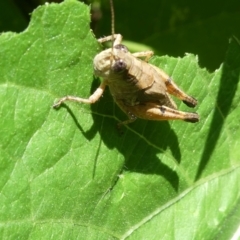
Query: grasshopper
[[139, 88]]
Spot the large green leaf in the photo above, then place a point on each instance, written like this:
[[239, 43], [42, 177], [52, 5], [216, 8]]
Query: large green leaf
[[68, 174]]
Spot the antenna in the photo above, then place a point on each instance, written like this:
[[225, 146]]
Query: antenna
[[113, 19], [112, 28]]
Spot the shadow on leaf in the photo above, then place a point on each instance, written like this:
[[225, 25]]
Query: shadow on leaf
[[228, 87], [141, 142]]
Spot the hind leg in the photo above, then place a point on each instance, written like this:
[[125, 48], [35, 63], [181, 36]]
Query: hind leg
[[152, 111], [174, 90]]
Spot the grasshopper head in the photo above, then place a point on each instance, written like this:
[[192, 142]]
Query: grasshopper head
[[111, 61]]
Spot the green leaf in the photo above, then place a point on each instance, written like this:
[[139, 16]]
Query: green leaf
[[68, 174]]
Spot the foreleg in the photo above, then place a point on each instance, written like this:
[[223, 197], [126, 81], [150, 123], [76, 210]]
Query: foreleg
[[92, 99]]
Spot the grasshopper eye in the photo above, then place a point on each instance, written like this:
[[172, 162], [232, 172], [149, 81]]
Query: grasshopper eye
[[119, 66], [121, 47]]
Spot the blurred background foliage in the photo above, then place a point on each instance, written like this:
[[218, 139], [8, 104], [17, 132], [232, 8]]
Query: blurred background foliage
[[172, 27]]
